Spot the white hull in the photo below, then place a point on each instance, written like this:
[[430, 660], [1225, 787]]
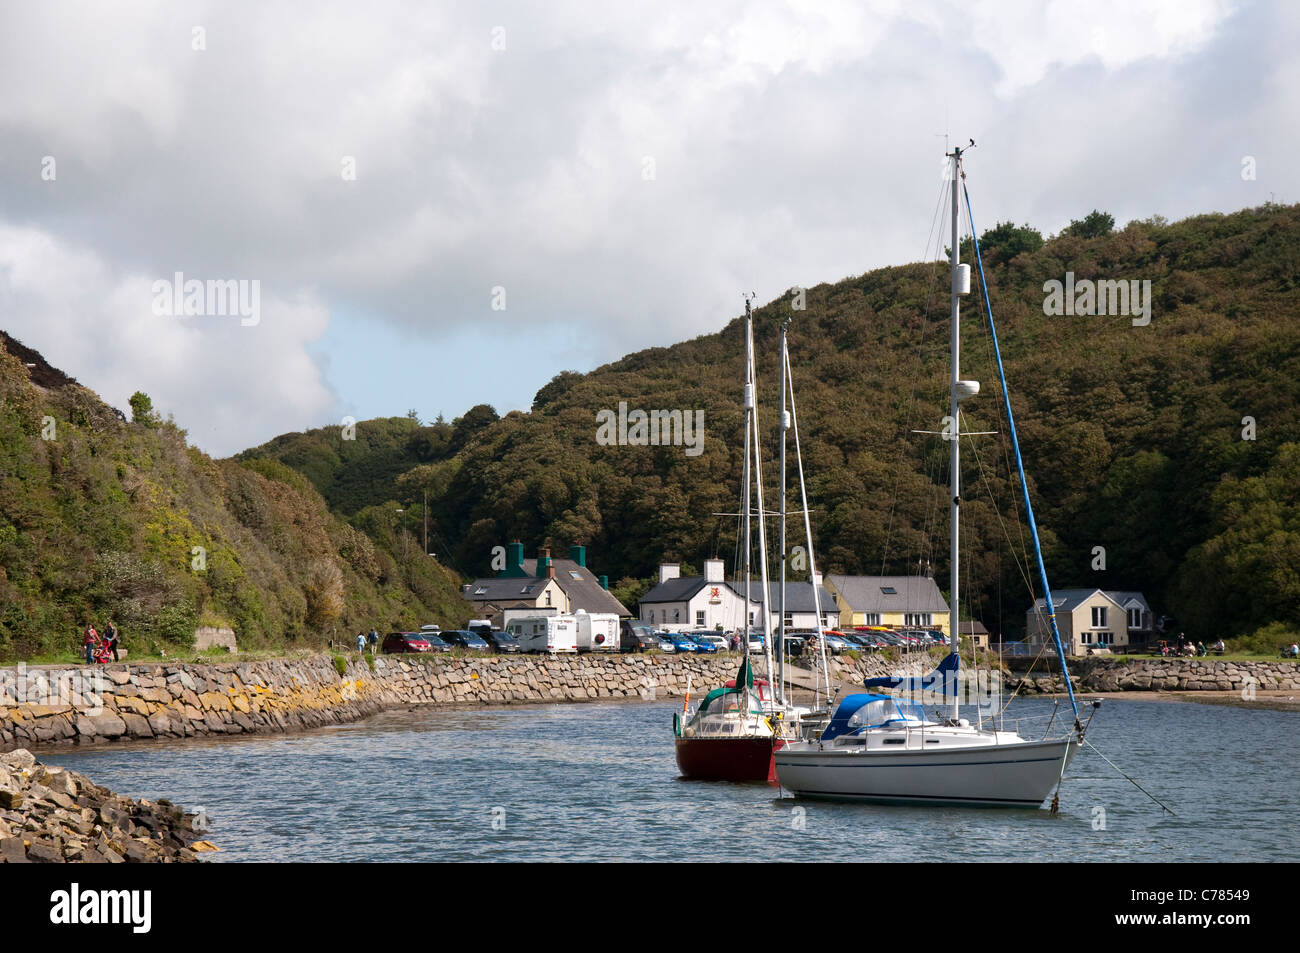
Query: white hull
[[986, 775]]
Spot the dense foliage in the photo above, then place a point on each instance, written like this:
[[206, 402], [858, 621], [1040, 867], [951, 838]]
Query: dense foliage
[[1138, 448], [103, 519]]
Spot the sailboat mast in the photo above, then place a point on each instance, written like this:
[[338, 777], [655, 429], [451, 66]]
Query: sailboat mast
[[762, 527], [749, 411], [954, 452], [785, 425]]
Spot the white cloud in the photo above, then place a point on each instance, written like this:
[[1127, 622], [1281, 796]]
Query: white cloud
[[793, 143], [224, 382]]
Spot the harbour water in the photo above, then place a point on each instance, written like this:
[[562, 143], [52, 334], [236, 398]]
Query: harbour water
[[599, 782]]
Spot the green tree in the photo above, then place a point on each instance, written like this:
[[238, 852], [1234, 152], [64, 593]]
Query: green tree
[[1094, 225], [142, 410]]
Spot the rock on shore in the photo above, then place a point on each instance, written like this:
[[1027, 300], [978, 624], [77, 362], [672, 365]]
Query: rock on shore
[[52, 815]]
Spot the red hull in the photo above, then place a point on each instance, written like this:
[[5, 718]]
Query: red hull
[[728, 759]]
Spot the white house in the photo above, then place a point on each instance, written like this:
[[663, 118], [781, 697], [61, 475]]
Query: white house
[[713, 602]]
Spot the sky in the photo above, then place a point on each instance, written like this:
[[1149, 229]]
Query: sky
[[431, 205]]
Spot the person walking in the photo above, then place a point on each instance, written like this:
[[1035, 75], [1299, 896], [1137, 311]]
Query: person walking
[[111, 637], [361, 642], [374, 641], [89, 639]]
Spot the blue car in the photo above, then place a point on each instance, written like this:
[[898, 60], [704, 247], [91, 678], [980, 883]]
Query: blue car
[[683, 643], [703, 646]]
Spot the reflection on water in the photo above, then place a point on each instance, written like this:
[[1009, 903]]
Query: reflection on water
[[599, 782]]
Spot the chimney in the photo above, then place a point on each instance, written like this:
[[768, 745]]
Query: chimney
[[544, 567], [604, 583], [669, 571], [714, 570], [578, 553], [514, 561], [817, 579]]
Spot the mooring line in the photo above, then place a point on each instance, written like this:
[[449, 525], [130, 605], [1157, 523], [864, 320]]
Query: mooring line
[[1127, 778]]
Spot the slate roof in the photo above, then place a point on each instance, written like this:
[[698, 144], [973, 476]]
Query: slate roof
[[1067, 600], [582, 586], [798, 595], [911, 593]]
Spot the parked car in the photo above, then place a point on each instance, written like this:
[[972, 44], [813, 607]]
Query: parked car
[[464, 639], [396, 643], [756, 643], [500, 640], [702, 644], [713, 638], [683, 643], [637, 637]]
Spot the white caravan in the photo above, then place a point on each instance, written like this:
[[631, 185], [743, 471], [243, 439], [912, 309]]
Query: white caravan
[[597, 631], [545, 633]]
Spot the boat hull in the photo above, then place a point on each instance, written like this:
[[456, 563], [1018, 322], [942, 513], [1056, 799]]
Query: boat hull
[[1019, 775], [728, 759]]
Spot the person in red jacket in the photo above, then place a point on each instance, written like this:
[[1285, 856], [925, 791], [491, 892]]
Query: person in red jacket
[[89, 640]]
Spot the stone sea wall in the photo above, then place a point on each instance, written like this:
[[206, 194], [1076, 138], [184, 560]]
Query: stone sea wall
[[1132, 673], [88, 705]]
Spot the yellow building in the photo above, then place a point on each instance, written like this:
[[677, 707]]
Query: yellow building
[[895, 601]]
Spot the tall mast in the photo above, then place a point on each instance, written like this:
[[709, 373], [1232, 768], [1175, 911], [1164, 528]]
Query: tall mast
[[749, 411], [785, 425], [762, 520], [959, 390]]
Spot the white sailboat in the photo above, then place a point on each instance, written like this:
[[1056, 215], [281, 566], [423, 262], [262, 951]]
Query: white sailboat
[[879, 747]]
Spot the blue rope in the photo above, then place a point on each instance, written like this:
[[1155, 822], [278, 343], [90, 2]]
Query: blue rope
[[1020, 466]]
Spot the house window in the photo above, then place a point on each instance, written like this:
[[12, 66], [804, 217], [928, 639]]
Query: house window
[[824, 622], [873, 618], [751, 619], [889, 590], [1086, 638], [548, 597], [574, 574], [1105, 638], [677, 615], [1135, 618], [699, 618], [1099, 617], [789, 620], [916, 618]]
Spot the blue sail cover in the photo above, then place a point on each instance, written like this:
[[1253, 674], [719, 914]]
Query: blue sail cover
[[866, 710], [942, 681]]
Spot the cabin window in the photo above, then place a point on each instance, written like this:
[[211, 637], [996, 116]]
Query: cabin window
[[1135, 618], [1099, 617], [893, 741], [699, 617]]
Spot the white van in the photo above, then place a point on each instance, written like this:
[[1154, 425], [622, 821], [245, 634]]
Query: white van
[[545, 633], [597, 631]]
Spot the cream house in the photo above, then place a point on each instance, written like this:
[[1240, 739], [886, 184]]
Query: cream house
[[1089, 619]]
